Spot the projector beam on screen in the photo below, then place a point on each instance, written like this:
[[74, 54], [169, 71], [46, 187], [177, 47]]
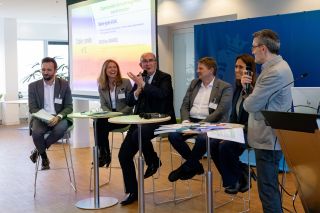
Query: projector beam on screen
[[109, 29]]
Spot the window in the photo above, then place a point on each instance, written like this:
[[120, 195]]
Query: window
[[30, 53]]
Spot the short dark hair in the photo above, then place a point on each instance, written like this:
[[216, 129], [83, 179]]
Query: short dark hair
[[209, 62], [48, 60], [268, 38]]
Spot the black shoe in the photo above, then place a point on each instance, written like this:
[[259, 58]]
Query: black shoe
[[244, 184], [129, 199], [190, 172], [234, 189], [152, 169], [34, 155], [175, 174], [45, 164], [104, 160]]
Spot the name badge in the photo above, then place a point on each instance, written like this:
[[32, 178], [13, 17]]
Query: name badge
[[58, 101], [213, 105], [121, 96]]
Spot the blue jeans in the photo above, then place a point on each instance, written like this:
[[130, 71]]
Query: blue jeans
[[267, 162]]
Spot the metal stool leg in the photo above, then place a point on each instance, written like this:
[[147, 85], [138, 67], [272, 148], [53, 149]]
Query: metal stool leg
[[190, 194], [245, 199], [71, 179], [154, 177], [35, 176], [108, 168]]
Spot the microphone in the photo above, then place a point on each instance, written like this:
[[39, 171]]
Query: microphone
[[148, 115], [294, 80], [144, 73], [249, 73]]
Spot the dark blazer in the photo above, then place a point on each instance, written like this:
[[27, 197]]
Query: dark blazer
[[121, 105], [222, 94], [242, 117], [156, 97], [61, 91]]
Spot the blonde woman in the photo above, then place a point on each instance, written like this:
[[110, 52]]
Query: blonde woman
[[113, 90]]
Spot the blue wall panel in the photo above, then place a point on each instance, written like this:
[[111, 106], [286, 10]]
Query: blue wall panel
[[299, 35]]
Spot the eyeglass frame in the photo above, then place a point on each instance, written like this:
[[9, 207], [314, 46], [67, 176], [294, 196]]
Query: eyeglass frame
[[145, 61], [255, 46]]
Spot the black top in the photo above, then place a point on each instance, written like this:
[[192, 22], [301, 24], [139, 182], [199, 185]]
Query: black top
[[242, 117]]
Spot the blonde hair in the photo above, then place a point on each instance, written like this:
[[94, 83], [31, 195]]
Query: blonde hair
[[103, 80]]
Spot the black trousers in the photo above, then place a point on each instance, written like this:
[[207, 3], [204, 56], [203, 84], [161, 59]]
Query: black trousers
[[130, 147], [225, 155], [103, 129]]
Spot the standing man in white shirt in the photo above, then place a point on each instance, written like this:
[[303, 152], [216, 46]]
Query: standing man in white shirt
[[208, 99], [53, 95]]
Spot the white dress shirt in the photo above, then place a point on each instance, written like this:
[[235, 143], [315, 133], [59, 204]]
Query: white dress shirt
[[49, 98], [200, 107]]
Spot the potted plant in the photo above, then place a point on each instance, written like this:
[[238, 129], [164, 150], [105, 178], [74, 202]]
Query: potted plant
[[62, 71]]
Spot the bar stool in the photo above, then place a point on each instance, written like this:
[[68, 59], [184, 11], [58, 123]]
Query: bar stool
[[246, 195], [190, 193], [173, 187], [69, 163], [123, 131], [158, 143]]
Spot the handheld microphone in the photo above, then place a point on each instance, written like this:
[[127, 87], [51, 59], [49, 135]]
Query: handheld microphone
[[294, 80], [144, 73], [249, 73]]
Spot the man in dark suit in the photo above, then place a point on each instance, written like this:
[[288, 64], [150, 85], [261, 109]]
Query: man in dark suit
[[208, 99], [54, 96], [152, 93]]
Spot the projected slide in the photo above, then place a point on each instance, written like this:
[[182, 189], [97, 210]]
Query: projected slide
[[118, 29]]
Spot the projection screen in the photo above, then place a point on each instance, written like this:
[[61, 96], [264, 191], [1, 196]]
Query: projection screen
[[108, 29]]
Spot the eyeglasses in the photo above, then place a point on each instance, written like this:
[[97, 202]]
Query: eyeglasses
[[144, 61], [255, 46]]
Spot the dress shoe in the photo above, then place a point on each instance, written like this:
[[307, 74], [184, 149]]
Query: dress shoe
[[45, 164], [34, 155], [244, 184], [152, 169], [190, 172], [129, 199], [104, 160], [234, 189], [175, 174]]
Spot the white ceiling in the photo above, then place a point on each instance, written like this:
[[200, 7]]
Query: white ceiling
[[42, 11]]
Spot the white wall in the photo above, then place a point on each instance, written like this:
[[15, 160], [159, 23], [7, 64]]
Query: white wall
[[42, 31], [173, 12]]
